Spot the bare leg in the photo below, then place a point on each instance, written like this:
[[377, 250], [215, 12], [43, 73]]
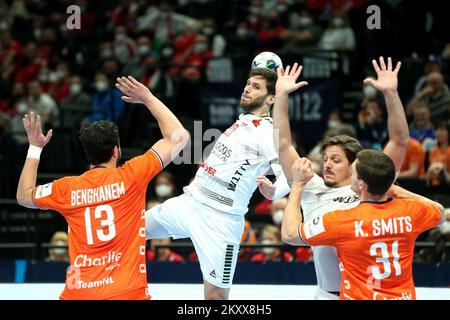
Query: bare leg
[[215, 293]]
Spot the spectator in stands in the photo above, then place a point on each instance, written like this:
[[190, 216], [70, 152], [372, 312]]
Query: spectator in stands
[[436, 95], [165, 186], [76, 106], [11, 55], [43, 104], [414, 161], [277, 210], [30, 65], [59, 83], [164, 23], [124, 46], [372, 127], [135, 65], [303, 32], [433, 64], [217, 41], [421, 127], [10, 151], [197, 58], [58, 254], [439, 158], [106, 101], [162, 254], [271, 235], [339, 35]]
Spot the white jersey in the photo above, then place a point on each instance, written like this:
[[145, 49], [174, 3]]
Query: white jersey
[[317, 200], [226, 180]]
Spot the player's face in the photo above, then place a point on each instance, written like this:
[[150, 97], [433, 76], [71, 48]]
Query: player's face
[[356, 184], [336, 167], [254, 95]]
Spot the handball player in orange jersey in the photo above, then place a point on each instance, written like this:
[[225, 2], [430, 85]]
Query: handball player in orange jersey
[[104, 207], [374, 240]]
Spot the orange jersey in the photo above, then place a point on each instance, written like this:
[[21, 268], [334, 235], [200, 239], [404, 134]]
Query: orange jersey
[[414, 155], [375, 244], [104, 208]]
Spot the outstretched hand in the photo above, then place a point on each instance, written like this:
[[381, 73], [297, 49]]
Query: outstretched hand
[[286, 82], [386, 77], [32, 126], [133, 90]]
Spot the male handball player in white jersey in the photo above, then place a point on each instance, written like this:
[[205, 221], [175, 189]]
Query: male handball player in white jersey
[[333, 192], [211, 210]]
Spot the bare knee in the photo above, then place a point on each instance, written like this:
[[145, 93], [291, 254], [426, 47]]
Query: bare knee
[[215, 293]]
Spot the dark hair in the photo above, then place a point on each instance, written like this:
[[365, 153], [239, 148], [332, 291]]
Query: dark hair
[[269, 75], [376, 169], [350, 145], [98, 140]]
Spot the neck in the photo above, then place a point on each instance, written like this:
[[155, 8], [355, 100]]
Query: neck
[[260, 112], [110, 164], [365, 196]]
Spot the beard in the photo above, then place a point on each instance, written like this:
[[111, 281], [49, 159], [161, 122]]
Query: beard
[[252, 105]]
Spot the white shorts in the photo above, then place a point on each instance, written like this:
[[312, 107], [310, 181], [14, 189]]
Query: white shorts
[[216, 235], [326, 263]]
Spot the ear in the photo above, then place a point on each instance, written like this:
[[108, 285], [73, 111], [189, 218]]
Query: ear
[[270, 100], [116, 152]]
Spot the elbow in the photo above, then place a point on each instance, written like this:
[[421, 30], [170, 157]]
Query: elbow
[[185, 137], [20, 199], [289, 235]]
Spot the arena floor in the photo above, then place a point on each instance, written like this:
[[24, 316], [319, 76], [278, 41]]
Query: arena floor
[[38, 291]]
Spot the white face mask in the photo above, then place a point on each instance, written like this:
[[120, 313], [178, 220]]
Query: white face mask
[[338, 22], [268, 250], [53, 77], [101, 85], [143, 50], [333, 124], [208, 31], [60, 251], [199, 47], [22, 107], [304, 21], [163, 190], [369, 91], [241, 31], [120, 37], [75, 88], [277, 217], [167, 52]]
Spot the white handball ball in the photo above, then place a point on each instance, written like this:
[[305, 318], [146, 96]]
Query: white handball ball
[[267, 60]]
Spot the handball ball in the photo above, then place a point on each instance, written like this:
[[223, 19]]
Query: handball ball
[[267, 60]]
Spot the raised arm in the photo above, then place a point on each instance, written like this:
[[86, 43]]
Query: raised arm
[[175, 136], [37, 141], [302, 172], [387, 82], [286, 83]]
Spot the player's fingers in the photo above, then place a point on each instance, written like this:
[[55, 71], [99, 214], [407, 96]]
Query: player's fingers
[[123, 84], [127, 99], [122, 88], [126, 83], [294, 69], [389, 65], [382, 65], [369, 81], [48, 136], [38, 124], [301, 84], [375, 66], [32, 121], [397, 67], [288, 68], [133, 81]]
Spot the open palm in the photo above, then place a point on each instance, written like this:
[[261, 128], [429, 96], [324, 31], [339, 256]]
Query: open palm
[[386, 77], [32, 126], [286, 79]]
